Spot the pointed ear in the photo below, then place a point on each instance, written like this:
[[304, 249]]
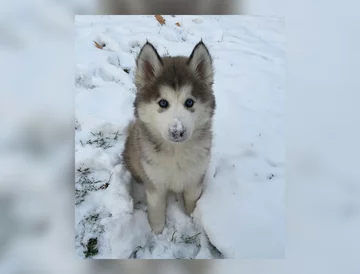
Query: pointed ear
[[201, 64], [149, 64]]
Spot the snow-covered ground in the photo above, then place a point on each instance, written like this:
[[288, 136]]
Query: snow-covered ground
[[241, 212]]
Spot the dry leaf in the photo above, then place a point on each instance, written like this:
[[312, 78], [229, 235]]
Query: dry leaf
[[98, 45], [178, 24], [160, 19]]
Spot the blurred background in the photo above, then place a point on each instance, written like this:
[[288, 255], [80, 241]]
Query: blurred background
[[37, 131], [255, 7]]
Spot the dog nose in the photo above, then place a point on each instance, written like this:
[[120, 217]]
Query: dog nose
[[177, 130], [177, 134]]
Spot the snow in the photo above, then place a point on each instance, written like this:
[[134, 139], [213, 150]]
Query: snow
[[241, 212], [177, 126]]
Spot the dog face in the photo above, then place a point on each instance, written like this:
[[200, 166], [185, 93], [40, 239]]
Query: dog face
[[174, 94]]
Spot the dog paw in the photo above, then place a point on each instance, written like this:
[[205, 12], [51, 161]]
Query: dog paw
[[188, 212], [158, 226], [158, 229], [189, 208]]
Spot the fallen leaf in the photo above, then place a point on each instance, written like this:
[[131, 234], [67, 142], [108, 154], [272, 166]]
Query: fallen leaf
[[98, 45], [160, 19], [178, 24]]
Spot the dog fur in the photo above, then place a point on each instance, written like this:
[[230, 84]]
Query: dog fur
[[168, 148]]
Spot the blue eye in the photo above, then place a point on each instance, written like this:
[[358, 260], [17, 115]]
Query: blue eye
[[163, 103], [189, 103]]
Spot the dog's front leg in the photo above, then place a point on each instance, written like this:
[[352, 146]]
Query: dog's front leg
[[156, 202], [191, 195]]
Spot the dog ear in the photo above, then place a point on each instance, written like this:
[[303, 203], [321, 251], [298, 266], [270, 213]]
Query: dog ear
[[149, 64], [200, 62]]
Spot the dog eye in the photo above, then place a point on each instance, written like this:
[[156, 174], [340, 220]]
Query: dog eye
[[163, 103], [189, 103]]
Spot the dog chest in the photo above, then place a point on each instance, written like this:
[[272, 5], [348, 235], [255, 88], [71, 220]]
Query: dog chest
[[178, 169]]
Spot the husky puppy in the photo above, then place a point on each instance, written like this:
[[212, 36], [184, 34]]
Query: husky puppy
[[168, 145]]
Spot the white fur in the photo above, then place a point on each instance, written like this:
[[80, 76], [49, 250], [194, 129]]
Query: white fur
[[181, 166], [179, 169], [156, 202]]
